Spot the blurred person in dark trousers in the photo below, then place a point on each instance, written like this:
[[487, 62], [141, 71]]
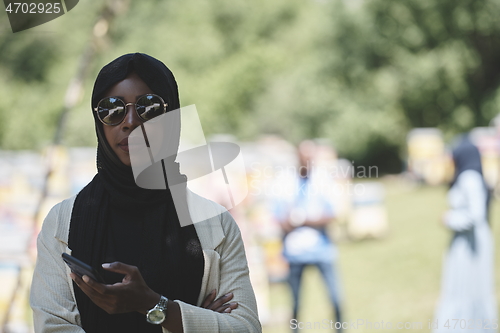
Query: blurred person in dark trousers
[[304, 209]]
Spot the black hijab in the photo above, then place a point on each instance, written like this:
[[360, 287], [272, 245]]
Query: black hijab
[[466, 156], [115, 220]]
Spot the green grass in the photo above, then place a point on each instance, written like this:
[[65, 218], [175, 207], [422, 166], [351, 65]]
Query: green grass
[[394, 279]]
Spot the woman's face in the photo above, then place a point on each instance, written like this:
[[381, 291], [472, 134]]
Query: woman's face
[[128, 90]]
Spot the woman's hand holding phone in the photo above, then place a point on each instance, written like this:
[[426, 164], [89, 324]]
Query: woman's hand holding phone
[[133, 294]]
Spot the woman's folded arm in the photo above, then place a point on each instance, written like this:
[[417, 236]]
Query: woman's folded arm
[[234, 278]]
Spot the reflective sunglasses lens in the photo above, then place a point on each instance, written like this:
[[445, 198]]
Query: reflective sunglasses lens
[[111, 110], [149, 106]]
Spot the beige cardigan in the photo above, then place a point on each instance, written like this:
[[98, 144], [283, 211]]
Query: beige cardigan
[[52, 296]]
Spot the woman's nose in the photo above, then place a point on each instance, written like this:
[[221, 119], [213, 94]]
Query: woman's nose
[[131, 120]]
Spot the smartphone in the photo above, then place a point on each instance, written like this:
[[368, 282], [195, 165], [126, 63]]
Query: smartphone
[[80, 268]]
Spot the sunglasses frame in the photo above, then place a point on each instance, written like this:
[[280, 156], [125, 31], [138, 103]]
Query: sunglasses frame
[[96, 109]]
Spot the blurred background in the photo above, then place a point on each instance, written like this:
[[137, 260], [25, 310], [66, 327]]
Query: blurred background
[[382, 86]]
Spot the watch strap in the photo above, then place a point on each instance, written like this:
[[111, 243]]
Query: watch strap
[[162, 304]]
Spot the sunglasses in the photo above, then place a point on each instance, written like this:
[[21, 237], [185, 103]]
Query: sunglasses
[[112, 110]]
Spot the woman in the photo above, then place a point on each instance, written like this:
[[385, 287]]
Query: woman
[[467, 293], [152, 266]]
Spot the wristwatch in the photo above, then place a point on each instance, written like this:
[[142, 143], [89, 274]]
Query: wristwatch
[[158, 314]]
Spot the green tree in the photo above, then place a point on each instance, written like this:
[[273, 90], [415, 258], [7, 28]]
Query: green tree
[[361, 73]]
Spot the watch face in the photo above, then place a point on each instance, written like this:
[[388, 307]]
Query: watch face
[[156, 316]]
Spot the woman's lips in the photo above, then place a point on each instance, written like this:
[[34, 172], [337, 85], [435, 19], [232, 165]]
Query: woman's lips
[[124, 144]]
